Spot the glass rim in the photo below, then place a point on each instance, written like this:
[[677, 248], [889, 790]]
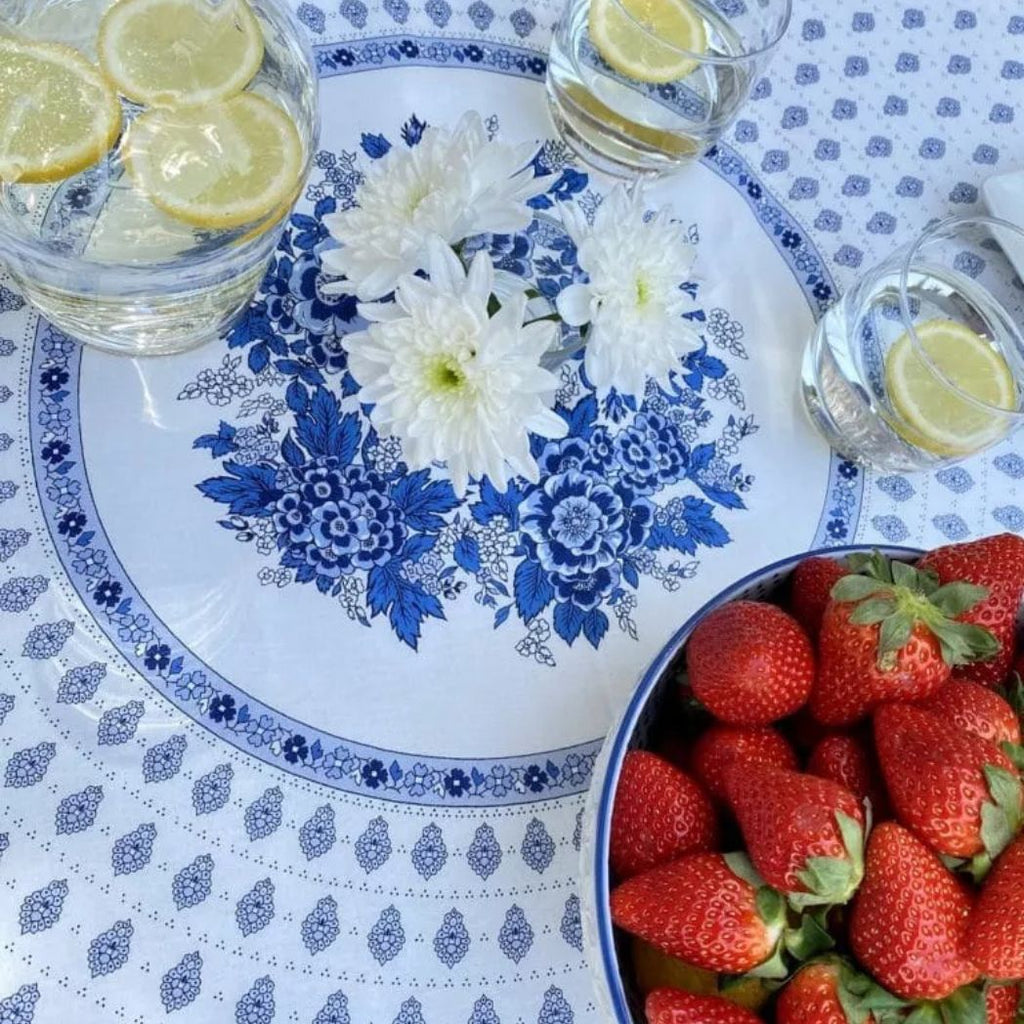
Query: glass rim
[[712, 58], [935, 230]]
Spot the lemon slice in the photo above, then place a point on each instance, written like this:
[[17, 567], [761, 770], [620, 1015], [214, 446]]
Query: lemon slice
[[936, 417], [218, 166], [641, 39], [58, 115], [180, 52]]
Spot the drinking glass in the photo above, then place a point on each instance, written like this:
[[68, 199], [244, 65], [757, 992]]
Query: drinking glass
[[921, 362], [630, 100], [99, 256]]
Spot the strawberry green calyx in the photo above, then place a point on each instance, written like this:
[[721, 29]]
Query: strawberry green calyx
[[863, 999], [1001, 819], [899, 597], [833, 880], [965, 1006]]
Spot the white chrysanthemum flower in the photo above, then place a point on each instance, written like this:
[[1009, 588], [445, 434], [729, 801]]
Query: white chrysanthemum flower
[[452, 184], [452, 383], [633, 301]]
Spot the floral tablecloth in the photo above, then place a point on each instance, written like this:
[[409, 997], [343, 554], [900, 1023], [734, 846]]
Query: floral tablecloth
[[247, 780]]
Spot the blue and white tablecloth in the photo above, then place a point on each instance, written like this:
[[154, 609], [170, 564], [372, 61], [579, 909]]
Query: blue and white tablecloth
[[247, 780]]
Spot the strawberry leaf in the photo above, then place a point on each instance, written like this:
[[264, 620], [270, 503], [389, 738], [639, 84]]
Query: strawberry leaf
[[956, 598], [1014, 693], [856, 588], [809, 938], [861, 997], [894, 634], [771, 907], [739, 864], [1001, 819], [874, 609], [1015, 753], [833, 880], [965, 1006], [926, 1013]]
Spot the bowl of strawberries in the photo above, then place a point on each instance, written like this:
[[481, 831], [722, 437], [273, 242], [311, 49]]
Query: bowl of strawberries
[[811, 810]]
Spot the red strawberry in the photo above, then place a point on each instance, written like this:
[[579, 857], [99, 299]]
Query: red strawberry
[[959, 793], [996, 563], [1001, 1004], [805, 835], [810, 588], [976, 709], [849, 760], [750, 663], [995, 935], [673, 1006], [813, 995], [696, 908], [909, 921], [720, 745], [660, 813], [889, 634]]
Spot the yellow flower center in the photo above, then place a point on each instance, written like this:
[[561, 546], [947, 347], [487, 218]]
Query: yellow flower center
[[445, 375], [643, 292]]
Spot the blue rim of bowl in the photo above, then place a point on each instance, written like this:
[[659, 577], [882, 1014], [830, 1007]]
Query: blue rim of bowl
[[624, 732]]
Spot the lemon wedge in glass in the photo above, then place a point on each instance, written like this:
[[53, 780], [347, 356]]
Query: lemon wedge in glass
[[58, 115], [219, 166], [180, 52], [641, 39], [938, 417]]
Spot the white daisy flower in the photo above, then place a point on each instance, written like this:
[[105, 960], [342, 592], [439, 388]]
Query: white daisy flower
[[632, 301], [452, 383], [453, 184]]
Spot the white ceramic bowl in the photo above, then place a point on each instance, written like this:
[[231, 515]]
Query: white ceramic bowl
[[617, 1000]]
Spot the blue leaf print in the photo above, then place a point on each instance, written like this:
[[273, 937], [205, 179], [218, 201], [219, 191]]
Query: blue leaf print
[[417, 546], [374, 146], [467, 553], [412, 130], [297, 397], [595, 625], [291, 452], [423, 500], [258, 358], [568, 620], [248, 491]]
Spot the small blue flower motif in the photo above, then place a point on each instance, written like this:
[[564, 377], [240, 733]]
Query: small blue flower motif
[[451, 943], [856, 185], [374, 774], [882, 224], [20, 592], [430, 852], [828, 220], [913, 18], [1009, 516], [118, 725], [964, 193], [257, 1005], [762, 89], [255, 910], [571, 927], [951, 526], [353, 11], [515, 936], [863, 22], [879, 146], [803, 188], [317, 835], [386, 938], [222, 708], [484, 853], [745, 131], [6, 706], [774, 160], [959, 64], [162, 761], [836, 529], [321, 928], [46, 639], [192, 884], [211, 791], [109, 950], [42, 909], [523, 22], [457, 782], [932, 149], [484, 1012], [20, 1008], [907, 62], [77, 812], [480, 14], [1000, 114], [1015, 26], [334, 1011], [312, 17], [7, 347], [26, 767], [438, 11], [8, 488], [295, 749], [373, 847], [849, 256], [263, 815], [555, 1008], [538, 848], [909, 188], [948, 107], [181, 984], [806, 74], [895, 106], [956, 479], [898, 488], [192, 686], [856, 67], [11, 541], [1011, 464], [1012, 70], [410, 1012], [812, 29], [892, 528], [844, 110], [969, 263], [826, 149], [965, 20], [985, 155], [794, 117], [133, 850]]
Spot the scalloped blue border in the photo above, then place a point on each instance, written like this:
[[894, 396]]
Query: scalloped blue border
[[224, 708]]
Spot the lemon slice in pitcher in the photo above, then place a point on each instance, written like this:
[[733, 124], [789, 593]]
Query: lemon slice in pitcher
[[641, 39], [219, 166], [180, 52], [57, 113], [937, 417]]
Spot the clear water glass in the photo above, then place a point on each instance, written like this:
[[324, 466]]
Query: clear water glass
[[105, 264], [955, 293], [627, 127]]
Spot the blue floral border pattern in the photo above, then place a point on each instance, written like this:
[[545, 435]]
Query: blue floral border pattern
[[230, 713]]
